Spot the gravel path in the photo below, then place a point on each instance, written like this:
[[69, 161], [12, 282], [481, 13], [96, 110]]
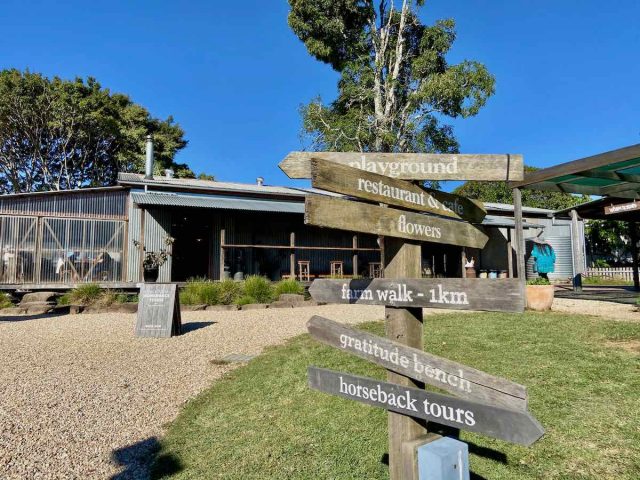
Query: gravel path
[[613, 311], [81, 397]]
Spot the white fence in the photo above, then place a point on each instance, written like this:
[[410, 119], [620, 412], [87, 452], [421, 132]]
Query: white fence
[[622, 273]]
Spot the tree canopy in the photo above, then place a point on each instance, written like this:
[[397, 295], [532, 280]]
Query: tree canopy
[[62, 134], [500, 192], [395, 82]]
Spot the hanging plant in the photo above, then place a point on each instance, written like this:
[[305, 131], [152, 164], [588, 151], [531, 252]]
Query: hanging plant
[[155, 259]]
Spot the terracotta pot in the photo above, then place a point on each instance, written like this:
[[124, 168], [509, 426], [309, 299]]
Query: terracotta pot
[[540, 297]]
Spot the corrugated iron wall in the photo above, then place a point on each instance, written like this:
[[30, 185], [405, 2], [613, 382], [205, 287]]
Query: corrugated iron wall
[[157, 226]]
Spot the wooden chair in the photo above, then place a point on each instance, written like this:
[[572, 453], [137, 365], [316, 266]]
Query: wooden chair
[[337, 268], [304, 270], [375, 270]]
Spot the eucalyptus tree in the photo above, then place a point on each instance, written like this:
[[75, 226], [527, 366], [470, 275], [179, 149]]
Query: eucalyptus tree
[[396, 86]]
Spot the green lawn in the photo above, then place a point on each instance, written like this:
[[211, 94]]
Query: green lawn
[[262, 421]]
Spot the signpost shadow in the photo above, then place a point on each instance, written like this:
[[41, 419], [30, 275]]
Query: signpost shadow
[[193, 326]]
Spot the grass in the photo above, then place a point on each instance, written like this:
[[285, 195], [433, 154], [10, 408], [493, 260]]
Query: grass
[[605, 281], [254, 289], [5, 301], [261, 421]]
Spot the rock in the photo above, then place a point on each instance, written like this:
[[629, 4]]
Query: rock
[[221, 308], [76, 309], [49, 297], [37, 304], [39, 309], [13, 311], [281, 304], [310, 303], [193, 308], [254, 306], [291, 298]]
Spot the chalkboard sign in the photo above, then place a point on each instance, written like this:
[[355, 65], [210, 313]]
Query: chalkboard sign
[[158, 311]]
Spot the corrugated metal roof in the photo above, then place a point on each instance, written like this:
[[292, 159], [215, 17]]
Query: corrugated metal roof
[[190, 183], [506, 207], [497, 221], [175, 200]]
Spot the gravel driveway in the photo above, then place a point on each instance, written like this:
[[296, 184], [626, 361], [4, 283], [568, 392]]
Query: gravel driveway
[[81, 397]]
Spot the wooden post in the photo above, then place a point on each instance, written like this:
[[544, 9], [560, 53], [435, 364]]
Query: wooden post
[[354, 262], [292, 255], [577, 254], [519, 233], [222, 253], [143, 216], [633, 235], [509, 253], [402, 259], [463, 260]]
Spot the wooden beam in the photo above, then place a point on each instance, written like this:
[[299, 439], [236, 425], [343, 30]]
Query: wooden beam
[[222, 253], [519, 233], [577, 256], [354, 259], [509, 253], [143, 215], [292, 255], [610, 175], [570, 168]]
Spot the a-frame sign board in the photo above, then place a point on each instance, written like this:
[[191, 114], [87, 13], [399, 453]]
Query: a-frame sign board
[[158, 311]]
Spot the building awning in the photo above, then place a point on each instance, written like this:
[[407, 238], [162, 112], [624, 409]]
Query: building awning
[[223, 203], [615, 173], [506, 222]]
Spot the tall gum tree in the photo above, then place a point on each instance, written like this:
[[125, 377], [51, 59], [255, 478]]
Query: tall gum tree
[[395, 83]]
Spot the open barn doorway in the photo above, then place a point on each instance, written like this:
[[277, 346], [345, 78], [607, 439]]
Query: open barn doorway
[[191, 229]]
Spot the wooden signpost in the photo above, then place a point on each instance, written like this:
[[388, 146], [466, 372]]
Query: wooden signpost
[[506, 424], [497, 295], [379, 188], [361, 217], [414, 166], [453, 377], [158, 311], [489, 404], [621, 208]]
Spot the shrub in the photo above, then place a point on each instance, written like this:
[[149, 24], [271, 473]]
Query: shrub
[[259, 288], [200, 292], [246, 300], [86, 294], [600, 263], [288, 286], [229, 292], [538, 281], [5, 301], [64, 299]]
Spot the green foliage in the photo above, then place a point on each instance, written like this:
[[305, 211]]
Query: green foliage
[[5, 301], [608, 238], [64, 299], [288, 286], [200, 292], [395, 82], [500, 192], [258, 288], [247, 300], [230, 291], [600, 263], [87, 294], [60, 134], [538, 281]]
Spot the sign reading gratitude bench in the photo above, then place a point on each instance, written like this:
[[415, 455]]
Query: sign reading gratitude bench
[[158, 311]]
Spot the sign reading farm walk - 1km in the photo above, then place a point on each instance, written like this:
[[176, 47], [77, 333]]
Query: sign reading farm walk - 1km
[[158, 311], [489, 405]]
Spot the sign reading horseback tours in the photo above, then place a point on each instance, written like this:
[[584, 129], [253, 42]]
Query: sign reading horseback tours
[[506, 424], [490, 405]]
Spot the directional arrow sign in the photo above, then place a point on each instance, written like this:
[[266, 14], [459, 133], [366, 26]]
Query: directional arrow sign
[[361, 217], [414, 166], [453, 377], [510, 425], [493, 295], [621, 208], [380, 188]]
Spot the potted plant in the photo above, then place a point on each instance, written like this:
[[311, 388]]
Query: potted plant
[[539, 294], [152, 261]]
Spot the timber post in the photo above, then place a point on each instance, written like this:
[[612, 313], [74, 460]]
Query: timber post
[[402, 259], [222, 252], [519, 234], [354, 261], [143, 216], [292, 255], [575, 248], [633, 236]]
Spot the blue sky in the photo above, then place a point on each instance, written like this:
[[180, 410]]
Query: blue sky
[[233, 75]]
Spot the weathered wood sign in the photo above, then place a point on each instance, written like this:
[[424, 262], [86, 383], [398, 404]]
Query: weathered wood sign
[[510, 425], [414, 166], [361, 217], [621, 208], [453, 377], [469, 209], [492, 295], [158, 311], [380, 188]]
